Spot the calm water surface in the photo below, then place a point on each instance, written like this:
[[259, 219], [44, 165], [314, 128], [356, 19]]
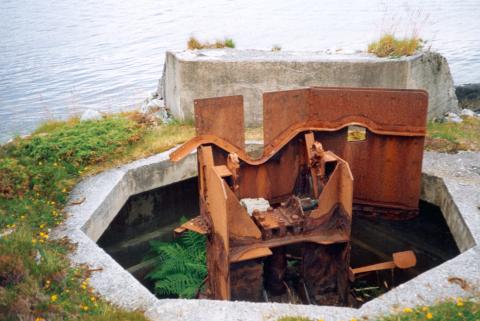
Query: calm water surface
[[58, 58]]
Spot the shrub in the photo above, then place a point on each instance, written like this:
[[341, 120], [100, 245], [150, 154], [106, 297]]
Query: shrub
[[389, 46], [181, 265], [14, 178]]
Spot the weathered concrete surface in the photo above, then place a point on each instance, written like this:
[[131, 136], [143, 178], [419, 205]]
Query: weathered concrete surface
[[189, 75], [105, 194], [449, 181]]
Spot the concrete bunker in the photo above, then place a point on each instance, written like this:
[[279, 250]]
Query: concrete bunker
[[405, 212]]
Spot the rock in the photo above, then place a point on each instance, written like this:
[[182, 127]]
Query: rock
[[468, 113], [469, 96], [453, 118], [91, 114]]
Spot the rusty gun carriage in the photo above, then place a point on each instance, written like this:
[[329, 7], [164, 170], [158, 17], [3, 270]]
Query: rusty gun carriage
[[298, 198]]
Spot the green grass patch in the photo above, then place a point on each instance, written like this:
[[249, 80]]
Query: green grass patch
[[453, 137], [390, 46]]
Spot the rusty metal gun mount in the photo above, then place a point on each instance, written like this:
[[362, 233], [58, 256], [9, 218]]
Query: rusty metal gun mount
[[305, 176]]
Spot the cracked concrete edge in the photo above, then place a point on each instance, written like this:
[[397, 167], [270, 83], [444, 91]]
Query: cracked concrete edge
[[445, 177]]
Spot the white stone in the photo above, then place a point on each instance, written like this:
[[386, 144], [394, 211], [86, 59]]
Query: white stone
[[453, 118], [252, 204], [91, 114], [468, 112]]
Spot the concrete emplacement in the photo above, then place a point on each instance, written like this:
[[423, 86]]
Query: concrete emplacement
[[450, 181]]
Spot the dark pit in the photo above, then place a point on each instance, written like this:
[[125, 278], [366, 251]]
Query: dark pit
[[154, 214]]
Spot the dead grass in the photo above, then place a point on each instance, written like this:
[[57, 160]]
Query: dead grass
[[194, 43], [390, 46], [454, 137]]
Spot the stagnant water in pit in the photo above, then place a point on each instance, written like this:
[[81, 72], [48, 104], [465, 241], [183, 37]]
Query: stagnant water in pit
[[152, 215]]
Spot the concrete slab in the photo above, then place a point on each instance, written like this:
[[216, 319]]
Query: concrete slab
[[450, 181], [189, 75]]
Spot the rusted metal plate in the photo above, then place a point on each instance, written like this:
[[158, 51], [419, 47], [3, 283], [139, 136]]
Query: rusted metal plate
[[221, 117]]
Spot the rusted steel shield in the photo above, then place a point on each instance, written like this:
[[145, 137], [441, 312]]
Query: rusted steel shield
[[386, 166]]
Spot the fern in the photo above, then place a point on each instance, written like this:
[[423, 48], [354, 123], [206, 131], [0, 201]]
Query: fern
[[181, 265]]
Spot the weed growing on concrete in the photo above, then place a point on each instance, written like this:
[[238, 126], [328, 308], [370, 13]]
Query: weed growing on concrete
[[276, 48], [390, 46], [194, 43]]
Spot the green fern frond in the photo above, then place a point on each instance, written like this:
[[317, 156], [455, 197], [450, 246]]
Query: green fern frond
[[181, 265]]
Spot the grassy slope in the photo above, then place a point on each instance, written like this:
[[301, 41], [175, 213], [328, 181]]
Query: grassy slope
[[452, 310], [36, 175]]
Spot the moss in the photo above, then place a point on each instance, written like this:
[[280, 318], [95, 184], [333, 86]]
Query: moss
[[390, 46]]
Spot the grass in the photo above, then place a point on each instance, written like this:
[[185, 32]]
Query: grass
[[453, 137], [390, 46], [455, 309], [36, 175], [194, 43]]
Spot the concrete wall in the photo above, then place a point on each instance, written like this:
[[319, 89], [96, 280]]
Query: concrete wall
[[189, 75]]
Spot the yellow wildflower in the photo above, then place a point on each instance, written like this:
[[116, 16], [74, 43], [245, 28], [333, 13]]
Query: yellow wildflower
[[407, 310], [93, 299], [39, 319], [34, 241], [22, 217], [53, 298], [85, 308], [429, 315], [459, 302], [425, 309], [42, 225]]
